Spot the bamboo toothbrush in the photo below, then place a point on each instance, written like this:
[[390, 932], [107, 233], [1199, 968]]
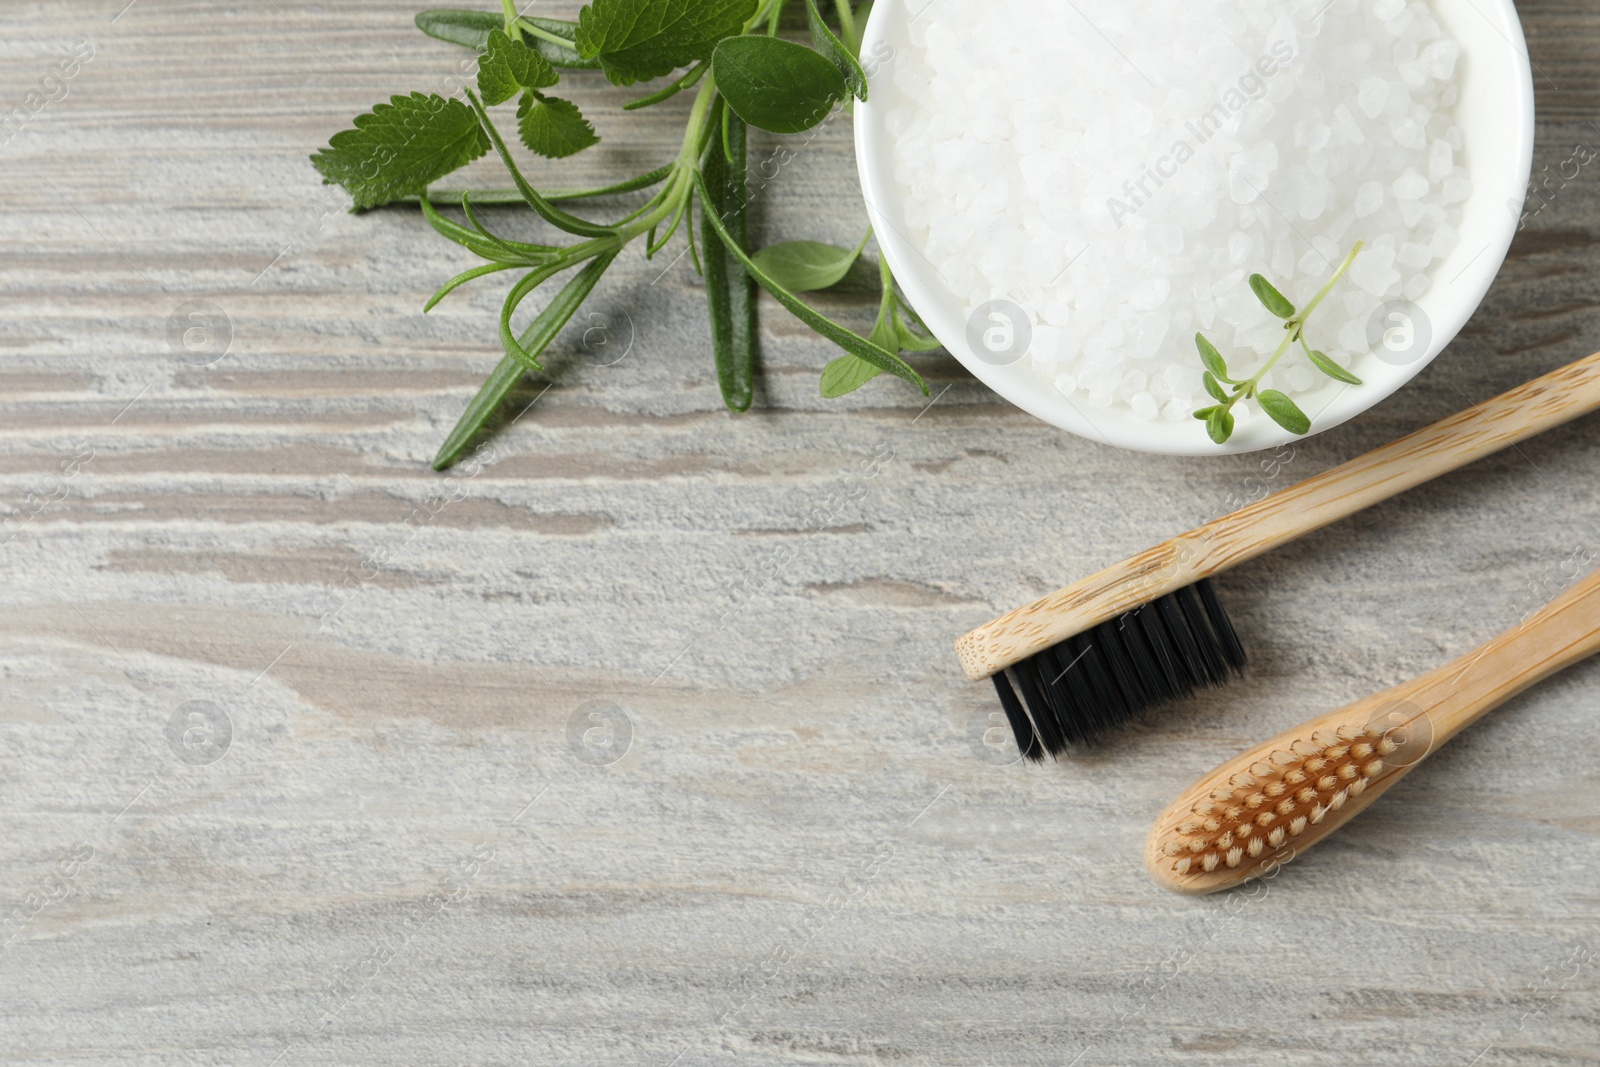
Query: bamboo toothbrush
[[1150, 629], [1265, 806]]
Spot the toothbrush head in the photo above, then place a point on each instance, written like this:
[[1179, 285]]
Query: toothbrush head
[[1259, 810]]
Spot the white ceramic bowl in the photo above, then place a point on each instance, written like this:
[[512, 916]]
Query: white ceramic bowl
[[1495, 113]]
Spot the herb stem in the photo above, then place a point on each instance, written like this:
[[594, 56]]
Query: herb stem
[[847, 23], [1295, 327], [538, 31], [1311, 305]]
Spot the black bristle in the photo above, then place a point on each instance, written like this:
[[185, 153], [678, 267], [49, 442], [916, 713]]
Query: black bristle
[[1021, 728], [1089, 684], [1232, 650], [1194, 613], [1155, 635], [1044, 721]]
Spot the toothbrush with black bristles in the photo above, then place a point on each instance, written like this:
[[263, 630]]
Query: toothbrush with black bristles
[[1075, 664]]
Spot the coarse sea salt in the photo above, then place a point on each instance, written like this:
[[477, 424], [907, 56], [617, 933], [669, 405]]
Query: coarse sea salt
[[1117, 168]]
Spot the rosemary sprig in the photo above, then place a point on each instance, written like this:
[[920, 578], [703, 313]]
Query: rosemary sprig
[[1283, 411]]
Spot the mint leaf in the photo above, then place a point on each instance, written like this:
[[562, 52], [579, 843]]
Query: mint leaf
[[1270, 298], [636, 40], [509, 67], [553, 127], [803, 266], [1284, 412], [397, 149], [829, 45], [775, 84]]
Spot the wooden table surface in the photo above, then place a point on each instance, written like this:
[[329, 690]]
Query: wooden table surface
[[640, 739]]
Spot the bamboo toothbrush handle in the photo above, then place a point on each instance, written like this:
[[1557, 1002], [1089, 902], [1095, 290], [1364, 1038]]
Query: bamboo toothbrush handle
[[1328, 769], [1558, 635], [1529, 409]]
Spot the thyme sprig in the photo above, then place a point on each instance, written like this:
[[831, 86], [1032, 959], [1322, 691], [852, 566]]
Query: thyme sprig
[[1285, 412]]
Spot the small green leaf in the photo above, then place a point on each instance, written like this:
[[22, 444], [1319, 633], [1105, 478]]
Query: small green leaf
[[829, 45], [775, 84], [398, 148], [1284, 412], [804, 266], [847, 374], [1219, 425], [1327, 366], [1205, 413], [637, 40], [471, 29], [507, 373], [553, 127], [1270, 298], [1213, 386], [509, 67], [1211, 357]]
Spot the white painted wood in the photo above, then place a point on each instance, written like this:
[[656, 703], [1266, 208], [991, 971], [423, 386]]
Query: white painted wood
[[807, 852]]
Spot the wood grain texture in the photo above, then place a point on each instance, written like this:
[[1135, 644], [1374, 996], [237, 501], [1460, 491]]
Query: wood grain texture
[[413, 851]]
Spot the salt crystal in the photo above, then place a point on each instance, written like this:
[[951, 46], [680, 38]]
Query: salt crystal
[[1371, 96], [1368, 199], [1410, 185], [1441, 158], [1414, 255], [1374, 270], [1047, 348]]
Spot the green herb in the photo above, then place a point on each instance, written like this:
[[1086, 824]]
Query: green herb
[[1228, 391], [741, 74], [803, 266]]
